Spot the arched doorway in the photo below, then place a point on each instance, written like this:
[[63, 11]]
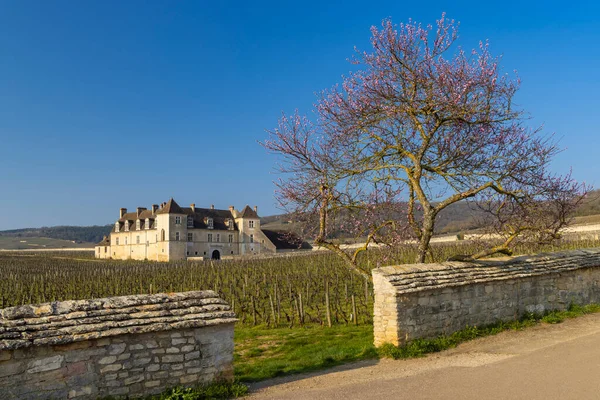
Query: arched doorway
[[216, 255]]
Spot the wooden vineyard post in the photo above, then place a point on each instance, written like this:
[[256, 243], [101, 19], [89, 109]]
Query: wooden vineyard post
[[328, 311]]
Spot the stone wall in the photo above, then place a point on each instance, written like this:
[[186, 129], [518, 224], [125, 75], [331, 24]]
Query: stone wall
[[120, 346], [429, 300]]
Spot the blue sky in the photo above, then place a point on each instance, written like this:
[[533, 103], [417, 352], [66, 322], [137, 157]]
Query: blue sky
[[109, 104]]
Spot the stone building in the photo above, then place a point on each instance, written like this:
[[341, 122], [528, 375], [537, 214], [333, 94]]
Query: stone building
[[170, 232]]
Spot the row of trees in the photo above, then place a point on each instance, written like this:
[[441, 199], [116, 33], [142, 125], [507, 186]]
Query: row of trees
[[418, 126]]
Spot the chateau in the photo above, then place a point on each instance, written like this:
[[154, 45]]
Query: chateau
[[169, 232]]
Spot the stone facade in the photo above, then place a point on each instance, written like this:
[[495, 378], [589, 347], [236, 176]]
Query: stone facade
[[429, 300], [121, 346], [169, 232]]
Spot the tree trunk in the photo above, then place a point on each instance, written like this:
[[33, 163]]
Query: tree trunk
[[426, 234]]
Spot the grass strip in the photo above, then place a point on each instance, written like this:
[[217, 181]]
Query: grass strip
[[214, 391], [421, 347], [262, 353]]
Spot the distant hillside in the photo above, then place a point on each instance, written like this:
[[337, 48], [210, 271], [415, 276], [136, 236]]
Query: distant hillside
[[90, 234], [591, 204], [459, 217], [456, 218]]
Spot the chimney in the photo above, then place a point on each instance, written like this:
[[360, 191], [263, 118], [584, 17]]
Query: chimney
[[122, 212], [212, 206], [231, 208], [154, 208], [193, 207], [256, 209], [139, 211]]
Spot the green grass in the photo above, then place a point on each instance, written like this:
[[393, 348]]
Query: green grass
[[262, 353], [213, 391], [421, 347], [208, 392]]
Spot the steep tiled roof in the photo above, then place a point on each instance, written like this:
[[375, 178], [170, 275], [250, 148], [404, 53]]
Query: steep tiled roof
[[286, 240], [200, 214], [170, 208], [105, 241], [247, 212], [132, 216]]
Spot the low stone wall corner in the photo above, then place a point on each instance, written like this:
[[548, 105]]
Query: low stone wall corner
[[430, 300], [120, 346]]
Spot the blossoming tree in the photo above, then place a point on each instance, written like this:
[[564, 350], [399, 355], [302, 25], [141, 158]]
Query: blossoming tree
[[420, 125]]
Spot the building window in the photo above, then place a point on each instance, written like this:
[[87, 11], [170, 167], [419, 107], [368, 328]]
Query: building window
[[177, 220], [106, 249], [230, 238], [210, 237], [177, 236], [117, 241], [195, 253], [209, 223], [187, 253], [147, 224], [125, 240], [250, 224], [190, 222], [116, 227], [138, 225], [137, 239], [218, 237], [126, 226], [251, 238], [162, 235], [190, 237]]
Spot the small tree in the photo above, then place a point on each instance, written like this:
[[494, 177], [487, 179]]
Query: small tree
[[416, 120]]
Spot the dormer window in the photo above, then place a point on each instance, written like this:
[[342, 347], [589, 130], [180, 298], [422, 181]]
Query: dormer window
[[147, 223], [250, 224], [230, 224], [126, 226], [209, 223], [138, 225], [190, 222], [117, 227]]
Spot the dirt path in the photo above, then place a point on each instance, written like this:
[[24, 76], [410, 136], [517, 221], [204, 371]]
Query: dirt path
[[544, 362]]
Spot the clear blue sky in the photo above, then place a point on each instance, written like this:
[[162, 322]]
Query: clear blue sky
[[109, 104]]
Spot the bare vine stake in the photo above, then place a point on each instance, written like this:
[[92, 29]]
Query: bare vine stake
[[297, 309], [301, 308], [253, 311], [346, 291], [328, 311], [278, 301], [354, 316], [272, 310]]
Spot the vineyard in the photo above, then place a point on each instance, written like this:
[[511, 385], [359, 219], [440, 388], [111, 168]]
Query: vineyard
[[277, 292]]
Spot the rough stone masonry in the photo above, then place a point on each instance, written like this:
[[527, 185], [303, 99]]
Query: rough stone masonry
[[429, 300], [119, 346]]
